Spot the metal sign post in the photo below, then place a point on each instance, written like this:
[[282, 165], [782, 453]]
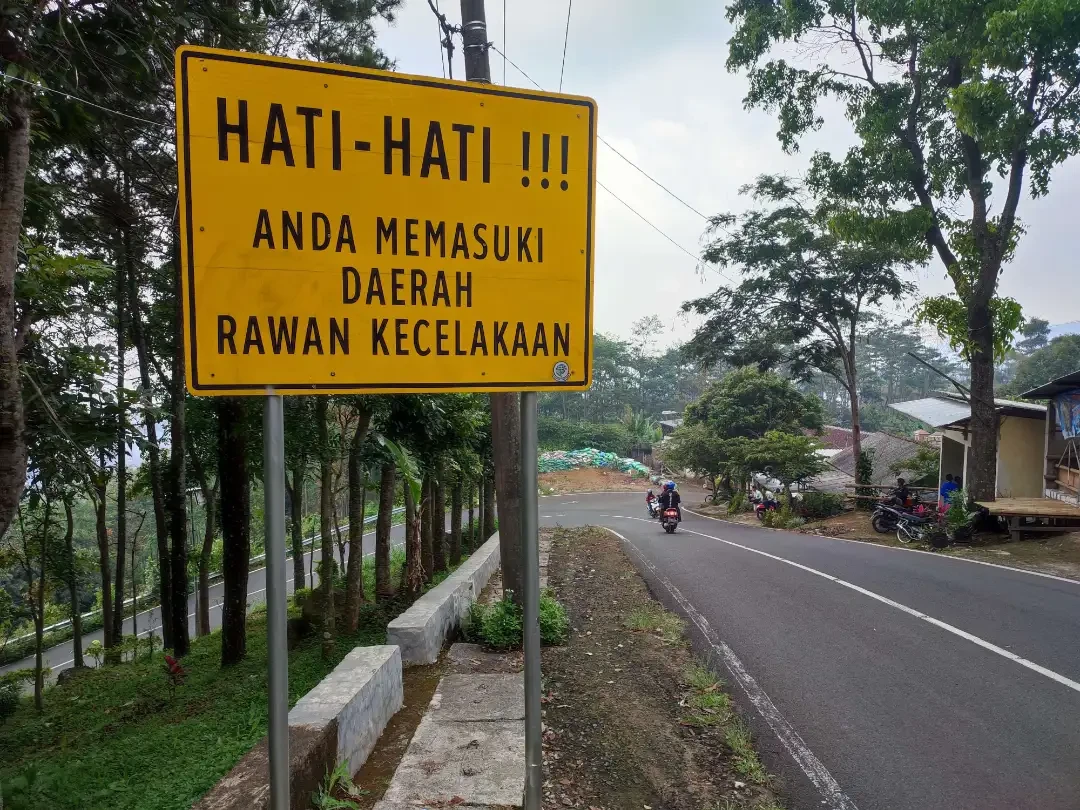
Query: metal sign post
[[276, 597], [530, 569]]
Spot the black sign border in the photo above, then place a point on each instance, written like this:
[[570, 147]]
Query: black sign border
[[189, 53]]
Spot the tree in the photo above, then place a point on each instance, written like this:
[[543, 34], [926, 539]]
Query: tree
[[358, 484], [235, 526], [1059, 357], [384, 588], [1036, 334], [748, 403], [805, 288], [326, 559], [944, 99]]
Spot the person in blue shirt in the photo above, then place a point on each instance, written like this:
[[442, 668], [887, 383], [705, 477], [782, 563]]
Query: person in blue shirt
[[948, 488]]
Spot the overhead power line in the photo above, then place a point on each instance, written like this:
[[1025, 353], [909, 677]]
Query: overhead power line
[[71, 97], [607, 143], [631, 208], [566, 40]]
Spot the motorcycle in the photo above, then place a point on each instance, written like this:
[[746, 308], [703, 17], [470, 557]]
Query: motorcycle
[[670, 519], [886, 518], [763, 506], [654, 508]]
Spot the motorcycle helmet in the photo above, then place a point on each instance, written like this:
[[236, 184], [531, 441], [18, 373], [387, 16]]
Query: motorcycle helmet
[[669, 485], [650, 492]]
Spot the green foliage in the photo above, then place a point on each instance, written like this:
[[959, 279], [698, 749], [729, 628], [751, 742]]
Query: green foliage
[[921, 469], [864, 471], [957, 517], [337, 781], [948, 315], [782, 518], [558, 434], [643, 430], [806, 284], [554, 623], [817, 505], [747, 403], [500, 625], [791, 457], [737, 504], [1059, 357]]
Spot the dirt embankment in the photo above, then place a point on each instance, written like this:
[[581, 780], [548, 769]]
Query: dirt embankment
[[631, 719], [589, 479]]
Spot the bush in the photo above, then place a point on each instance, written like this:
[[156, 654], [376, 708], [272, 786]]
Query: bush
[[737, 503], [9, 700], [560, 434], [782, 518], [500, 625], [821, 504]]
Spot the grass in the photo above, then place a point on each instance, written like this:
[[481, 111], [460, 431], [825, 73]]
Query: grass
[[708, 706], [114, 737], [744, 758], [654, 619]]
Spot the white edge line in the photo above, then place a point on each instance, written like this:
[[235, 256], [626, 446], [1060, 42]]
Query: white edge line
[[813, 767], [933, 554], [1011, 656]]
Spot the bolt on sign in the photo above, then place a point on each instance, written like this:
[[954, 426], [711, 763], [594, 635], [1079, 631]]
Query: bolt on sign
[[350, 230]]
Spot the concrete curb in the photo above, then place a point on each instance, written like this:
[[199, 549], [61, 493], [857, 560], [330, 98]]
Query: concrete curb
[[423, 629], [339, 720]]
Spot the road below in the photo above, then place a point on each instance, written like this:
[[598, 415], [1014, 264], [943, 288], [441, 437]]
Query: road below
[[61, 656], [873, 677]]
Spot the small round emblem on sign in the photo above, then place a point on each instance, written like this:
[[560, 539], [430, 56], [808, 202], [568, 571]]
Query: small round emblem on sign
[[561, 371]]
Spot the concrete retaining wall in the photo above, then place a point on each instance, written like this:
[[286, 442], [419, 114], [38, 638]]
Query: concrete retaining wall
[[423, 629], [339, 720]]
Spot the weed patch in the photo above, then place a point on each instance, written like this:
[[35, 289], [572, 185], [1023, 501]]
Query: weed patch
[[654, 619]]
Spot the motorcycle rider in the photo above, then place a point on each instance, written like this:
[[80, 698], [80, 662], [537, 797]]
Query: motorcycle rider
[[650, 499], [670, 499]]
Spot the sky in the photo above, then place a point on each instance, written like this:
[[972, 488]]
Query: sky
[[666, 101]]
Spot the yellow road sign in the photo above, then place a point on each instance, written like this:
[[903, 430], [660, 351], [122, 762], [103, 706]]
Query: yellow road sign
[[348, 230]]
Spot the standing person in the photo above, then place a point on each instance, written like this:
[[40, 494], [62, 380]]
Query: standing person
[[947, 488]]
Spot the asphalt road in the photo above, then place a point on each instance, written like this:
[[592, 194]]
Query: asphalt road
[[874, 677], [61, 656]]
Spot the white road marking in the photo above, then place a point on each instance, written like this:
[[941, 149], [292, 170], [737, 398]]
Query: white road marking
[[994, 648], [934, 554], [815, 770]]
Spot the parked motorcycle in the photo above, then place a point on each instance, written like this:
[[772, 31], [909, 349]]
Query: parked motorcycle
[[763, 506], [885, 518], [670, 519]]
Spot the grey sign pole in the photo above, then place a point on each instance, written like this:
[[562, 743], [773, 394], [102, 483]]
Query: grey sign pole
[[530, 550], [276, 596]]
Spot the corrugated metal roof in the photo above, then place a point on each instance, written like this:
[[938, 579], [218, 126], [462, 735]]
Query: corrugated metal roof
[[944, 409], [936, 411], [1069, 382]]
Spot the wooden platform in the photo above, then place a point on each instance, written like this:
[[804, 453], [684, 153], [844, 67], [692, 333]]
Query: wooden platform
[[1031, 507]]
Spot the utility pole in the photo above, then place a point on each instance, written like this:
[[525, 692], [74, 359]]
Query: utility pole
[[515, 477]]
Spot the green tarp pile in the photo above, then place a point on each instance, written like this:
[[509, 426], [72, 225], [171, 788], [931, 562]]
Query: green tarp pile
[[557, 460]]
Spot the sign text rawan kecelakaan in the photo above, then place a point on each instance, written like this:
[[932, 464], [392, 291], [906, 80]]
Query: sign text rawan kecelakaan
[[348, 230]]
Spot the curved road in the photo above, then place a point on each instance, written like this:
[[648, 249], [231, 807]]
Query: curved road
[[874, 678]]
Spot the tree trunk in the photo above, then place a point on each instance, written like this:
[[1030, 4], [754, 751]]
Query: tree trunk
[[153, 451], [981, 482], [39, 618], [104, 567], [326, 505], [426, 552], [235, 527], [412, 575], [470, 541], [73, 585], [177, 506], [14, 160], [853, 392], [456, 505], [121, 453], [202, 623], [384, 588], [438, 520], [337, 536], [488, 512], [354, 578], [506, 448], [296, 502]]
